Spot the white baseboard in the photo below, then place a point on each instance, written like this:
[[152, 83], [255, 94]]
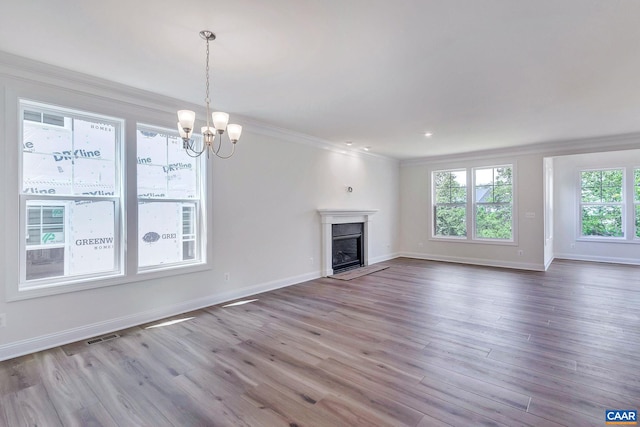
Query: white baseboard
[[475, 261], [383, 258], [598, 258], [547, 264], [32, 345]]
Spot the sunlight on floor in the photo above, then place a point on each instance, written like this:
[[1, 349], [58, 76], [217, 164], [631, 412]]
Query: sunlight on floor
[[246, 301], [169, 322]]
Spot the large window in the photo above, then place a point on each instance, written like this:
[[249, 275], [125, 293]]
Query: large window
[[602, 203], [492, 201], [70, 195], [450, 206], [168, 200], [73, 216]]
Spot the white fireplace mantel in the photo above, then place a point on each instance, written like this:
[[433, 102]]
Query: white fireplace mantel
[[328, 217]]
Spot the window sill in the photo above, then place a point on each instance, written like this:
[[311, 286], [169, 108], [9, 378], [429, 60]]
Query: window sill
[[474, 241], [623, 240]]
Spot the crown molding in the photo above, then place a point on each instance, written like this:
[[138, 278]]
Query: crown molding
[[628, 141], [33, 71], [288, 135]]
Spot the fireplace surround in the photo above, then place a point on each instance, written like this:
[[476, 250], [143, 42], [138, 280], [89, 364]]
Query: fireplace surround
[[328, 218]]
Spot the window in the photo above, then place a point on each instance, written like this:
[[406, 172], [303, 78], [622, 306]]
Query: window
[[450, 207], [168, 200], [601, 203], [72, 192], [70, 197], [493, 201], [636, 200]]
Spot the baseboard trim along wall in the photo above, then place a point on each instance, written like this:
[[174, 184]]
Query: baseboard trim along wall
[[20, 348], [476, 261], [383, 258], [596, 258]]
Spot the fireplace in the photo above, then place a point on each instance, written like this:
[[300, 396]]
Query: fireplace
[[346, 247], [353, 247]]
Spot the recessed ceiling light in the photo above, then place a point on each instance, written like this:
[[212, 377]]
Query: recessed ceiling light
[[428, 134], [349, 143], [366, 148]]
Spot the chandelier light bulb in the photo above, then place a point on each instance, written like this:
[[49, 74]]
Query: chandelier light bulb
[[186, 119], [220, 120], [234, 132]]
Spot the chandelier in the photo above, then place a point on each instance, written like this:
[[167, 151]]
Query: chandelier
[[187, 118]]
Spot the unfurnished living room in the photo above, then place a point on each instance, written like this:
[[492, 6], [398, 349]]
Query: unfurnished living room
[[320, 213]]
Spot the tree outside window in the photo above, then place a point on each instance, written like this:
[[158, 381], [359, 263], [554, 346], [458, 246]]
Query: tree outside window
[[601, 203], [493, 199], [450, 207]]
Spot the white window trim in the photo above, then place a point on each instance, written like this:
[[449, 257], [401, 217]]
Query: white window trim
[[81, 101], [25, 285], [435, 236], [628, 207], [201, 211], [471, 234], [635, 204]]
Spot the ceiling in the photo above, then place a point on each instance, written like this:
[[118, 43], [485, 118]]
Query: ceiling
[[479, 74]]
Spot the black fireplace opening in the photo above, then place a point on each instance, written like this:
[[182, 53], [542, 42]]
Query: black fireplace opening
[[346, 249]]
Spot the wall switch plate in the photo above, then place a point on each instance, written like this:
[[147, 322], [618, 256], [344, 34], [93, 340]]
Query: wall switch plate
[[3, 320]]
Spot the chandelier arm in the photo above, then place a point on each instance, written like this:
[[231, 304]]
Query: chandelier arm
[[233, 150], [190, 149], [194, 156], [217, 150]]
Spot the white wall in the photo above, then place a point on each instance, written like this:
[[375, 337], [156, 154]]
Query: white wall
[[416, 215], [266, 231], [567, 245]]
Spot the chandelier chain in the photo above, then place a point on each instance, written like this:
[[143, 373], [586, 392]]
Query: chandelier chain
[[207, 100]]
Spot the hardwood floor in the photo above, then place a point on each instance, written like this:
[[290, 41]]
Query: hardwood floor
[[418, 344]]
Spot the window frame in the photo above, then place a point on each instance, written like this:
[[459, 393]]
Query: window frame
[[435, 204], [475, 204], [131, 113], [623, 206], [199, 209], [24, 285], [470, 207], [635, 201]]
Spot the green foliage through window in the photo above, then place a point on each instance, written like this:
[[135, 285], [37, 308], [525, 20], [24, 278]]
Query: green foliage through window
[[450, 207], [494, 203], [601, 199]]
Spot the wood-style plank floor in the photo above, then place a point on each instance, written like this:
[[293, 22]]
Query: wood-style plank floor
[[418, 344]]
